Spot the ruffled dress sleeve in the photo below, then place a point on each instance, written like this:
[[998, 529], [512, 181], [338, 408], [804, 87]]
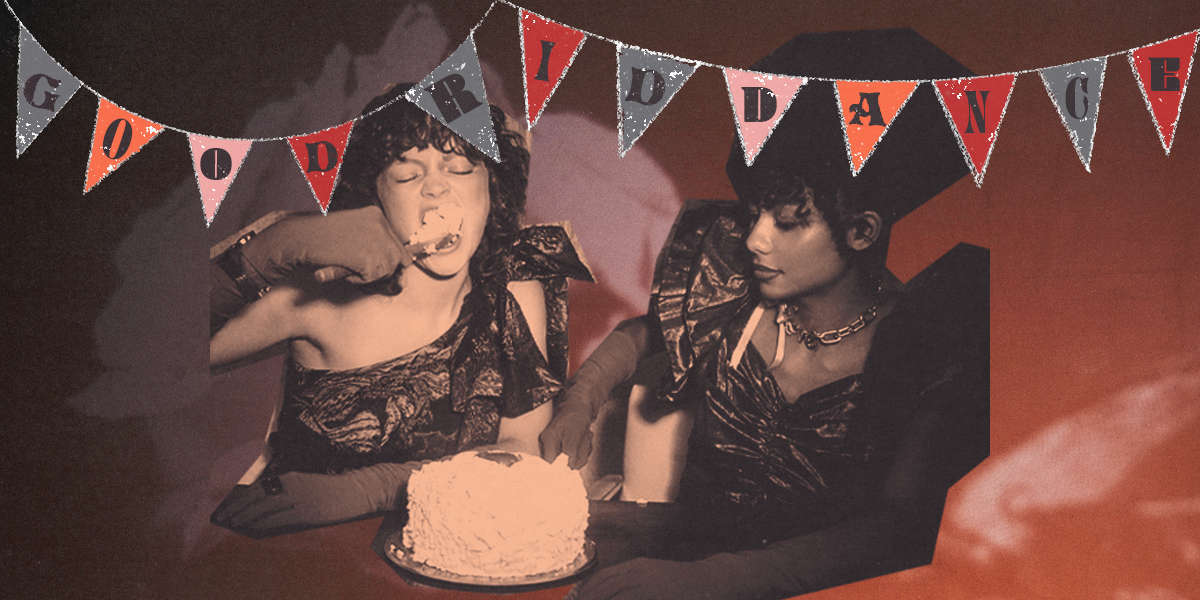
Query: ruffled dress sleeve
[[701, 291], [498, 360]]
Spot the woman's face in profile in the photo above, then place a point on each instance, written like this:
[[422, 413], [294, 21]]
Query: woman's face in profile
[[794, 252], [423, 180]]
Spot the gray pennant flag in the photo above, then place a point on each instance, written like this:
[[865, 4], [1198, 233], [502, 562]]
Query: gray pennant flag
[[454, 94], [43, 87], [1075, 89], [646, 82]]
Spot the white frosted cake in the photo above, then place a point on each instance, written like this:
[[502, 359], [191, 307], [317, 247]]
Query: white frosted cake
[[483, 517]]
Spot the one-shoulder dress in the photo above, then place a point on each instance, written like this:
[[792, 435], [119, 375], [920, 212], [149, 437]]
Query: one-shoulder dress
[[448, 396], [846, 481]]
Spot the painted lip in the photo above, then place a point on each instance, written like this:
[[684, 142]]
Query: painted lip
[[763, 273]]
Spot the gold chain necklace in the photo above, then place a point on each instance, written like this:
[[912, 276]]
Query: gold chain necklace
[[811, 338]]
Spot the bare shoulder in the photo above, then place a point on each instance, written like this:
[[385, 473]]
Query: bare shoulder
[[530, 295]]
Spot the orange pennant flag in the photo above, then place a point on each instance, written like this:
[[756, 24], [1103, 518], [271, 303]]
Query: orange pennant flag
[[868, 108], [119, 134]]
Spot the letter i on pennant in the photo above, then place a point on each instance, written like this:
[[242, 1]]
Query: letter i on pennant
[[119, 135], [217, 162], [1075, 91], [320, 158], [975, 107], [43, 88], [868, 108], [1162, 71], [547, 49], [759, 101]]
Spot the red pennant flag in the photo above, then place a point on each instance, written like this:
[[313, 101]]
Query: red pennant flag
[[975, 107], [547, 49], [320, 158], [868, 108], [119, 134], [1162, 71]]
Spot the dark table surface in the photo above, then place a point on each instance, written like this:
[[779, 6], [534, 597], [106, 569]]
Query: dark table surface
[[621, 531]]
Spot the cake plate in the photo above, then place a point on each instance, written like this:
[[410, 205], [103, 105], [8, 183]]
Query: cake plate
[[425, 574]]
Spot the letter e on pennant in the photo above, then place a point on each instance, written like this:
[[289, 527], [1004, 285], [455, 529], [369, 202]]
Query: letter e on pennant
[[1162, 71]]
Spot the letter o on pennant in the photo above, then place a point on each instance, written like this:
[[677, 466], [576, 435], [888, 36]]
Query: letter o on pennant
[[110, 135], [216, 163]]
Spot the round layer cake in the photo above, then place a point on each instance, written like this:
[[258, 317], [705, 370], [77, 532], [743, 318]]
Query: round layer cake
[[496, 514]]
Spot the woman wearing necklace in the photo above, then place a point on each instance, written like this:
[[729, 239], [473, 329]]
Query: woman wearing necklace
[[815, 411]]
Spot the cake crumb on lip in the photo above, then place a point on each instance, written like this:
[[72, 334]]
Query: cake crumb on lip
[[441, 228]]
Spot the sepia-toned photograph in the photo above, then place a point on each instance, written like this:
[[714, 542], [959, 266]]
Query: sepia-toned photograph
[[607, 300]]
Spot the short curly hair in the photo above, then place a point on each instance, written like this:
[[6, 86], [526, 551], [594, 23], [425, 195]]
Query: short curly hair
[[392, 126]]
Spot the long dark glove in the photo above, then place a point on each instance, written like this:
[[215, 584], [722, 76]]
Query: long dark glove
[[358, 245], [720, 577], [614, 361], [298, 501]]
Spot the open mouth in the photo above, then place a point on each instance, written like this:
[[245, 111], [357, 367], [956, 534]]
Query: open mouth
[[440, 231]]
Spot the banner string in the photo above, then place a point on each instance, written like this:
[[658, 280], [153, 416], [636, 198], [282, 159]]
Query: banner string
[[619, 44]]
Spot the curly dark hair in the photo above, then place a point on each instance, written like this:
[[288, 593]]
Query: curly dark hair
[[826, 186], [393, 126]]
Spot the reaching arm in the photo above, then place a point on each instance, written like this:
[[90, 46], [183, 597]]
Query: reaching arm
[[655, 450], [613, 362], [358, 245]]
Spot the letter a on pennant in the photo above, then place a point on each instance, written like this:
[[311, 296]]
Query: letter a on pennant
[[548, 49], [646, 82], [1162, 71], [975, 107], [454, 94], [1075, 90], [759, 100], [868, 108], [217, 162], [43, 88], [119, 134], [320, 158]]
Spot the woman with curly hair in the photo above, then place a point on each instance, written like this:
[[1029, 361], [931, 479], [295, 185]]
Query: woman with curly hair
[[460, 344]]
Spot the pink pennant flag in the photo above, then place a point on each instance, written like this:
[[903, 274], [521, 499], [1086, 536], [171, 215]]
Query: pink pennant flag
[[548, 49], [868, 108], [975, 107], [759, 100], [217, 161], [1162, 71], [320, 158]]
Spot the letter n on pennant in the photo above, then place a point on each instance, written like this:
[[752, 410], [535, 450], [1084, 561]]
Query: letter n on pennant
[[975, 107], [759, 101], [119, 135], [548, 49], [1162, 71], [319, 156], [868, 108], [217, 162]]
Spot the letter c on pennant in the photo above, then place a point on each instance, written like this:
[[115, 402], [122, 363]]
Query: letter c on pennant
[[1081, 83]]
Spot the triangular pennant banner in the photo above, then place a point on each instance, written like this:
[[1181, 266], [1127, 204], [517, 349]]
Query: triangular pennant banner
[[1075, 90], [547, 49], [759, 101], [217, 162], [868, 108], [1162, 71], [646, 82], [320, 158], [43, 88], [119, 135], [975, 107], [454, 94]]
